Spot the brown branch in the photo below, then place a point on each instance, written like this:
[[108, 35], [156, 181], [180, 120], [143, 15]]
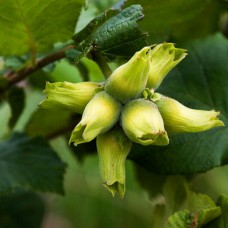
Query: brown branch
[[15, 77]]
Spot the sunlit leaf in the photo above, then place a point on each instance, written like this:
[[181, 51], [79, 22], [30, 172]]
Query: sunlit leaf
[[33, 26]]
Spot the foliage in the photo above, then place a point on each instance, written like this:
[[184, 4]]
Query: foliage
[[36, 35], [30, 164], [27, 214], [200, 81], [38, 25], [177, 19]]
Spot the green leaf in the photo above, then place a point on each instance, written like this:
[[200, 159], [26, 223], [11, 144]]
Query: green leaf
[[48, 123], [94, 24], [21, 209], [34, 26], [118, 35], [16, 99], [186, 219], [30, 163], [180, 219], [200, 210], [202, 206], [72, 55], [200, 82], [180, 19]]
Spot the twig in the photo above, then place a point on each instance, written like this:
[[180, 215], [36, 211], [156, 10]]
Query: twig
[[15, 77]]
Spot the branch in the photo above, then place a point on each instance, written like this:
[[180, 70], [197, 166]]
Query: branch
[[14, 77]]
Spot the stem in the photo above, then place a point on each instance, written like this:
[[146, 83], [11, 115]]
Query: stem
[[102, 63], [15, 77], [24, 72]]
